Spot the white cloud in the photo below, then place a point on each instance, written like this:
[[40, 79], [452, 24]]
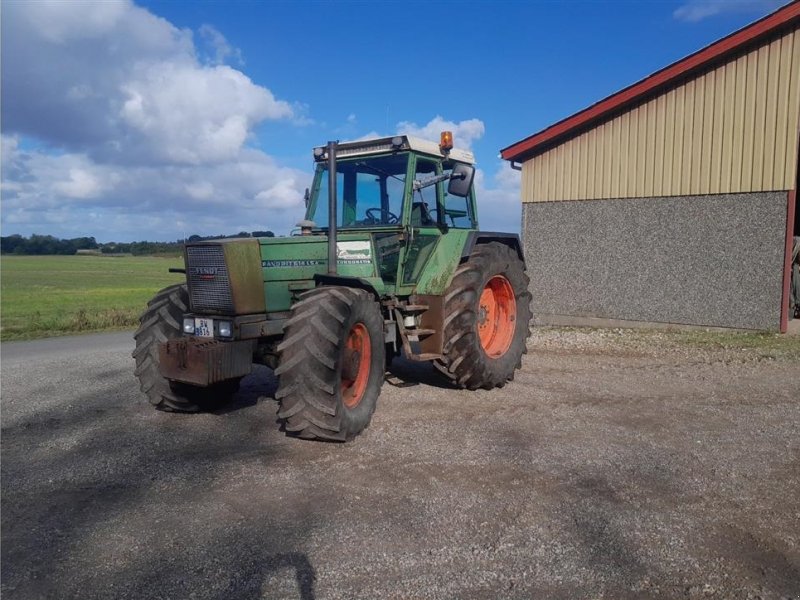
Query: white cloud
[[81, 184], [499, 204], [284, 194], [133, 129], [464, 132], [60, 22], [201, 190], [697, 10], [195, 115], [69, 195], [222, 50]]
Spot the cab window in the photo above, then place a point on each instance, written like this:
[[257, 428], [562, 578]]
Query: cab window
[[369, 192], [423, 203]]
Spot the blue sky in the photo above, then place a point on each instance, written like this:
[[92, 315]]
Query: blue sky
[[156, 119]]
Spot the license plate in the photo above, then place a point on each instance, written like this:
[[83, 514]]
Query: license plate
[[203, 327]]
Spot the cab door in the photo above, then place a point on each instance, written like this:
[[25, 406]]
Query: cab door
[[420, 217]]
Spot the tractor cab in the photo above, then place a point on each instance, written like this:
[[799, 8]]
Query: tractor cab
[[405, 193]]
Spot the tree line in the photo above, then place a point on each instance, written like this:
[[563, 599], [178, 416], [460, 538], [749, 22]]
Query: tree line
[[47, 244]]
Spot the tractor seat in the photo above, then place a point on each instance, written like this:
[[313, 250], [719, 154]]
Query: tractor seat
[[421, 216]]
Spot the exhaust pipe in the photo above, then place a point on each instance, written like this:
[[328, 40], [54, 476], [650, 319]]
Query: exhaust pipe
[[332, 258]]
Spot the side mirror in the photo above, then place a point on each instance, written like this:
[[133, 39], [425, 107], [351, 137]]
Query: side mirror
[[461, 180], [307, 197]]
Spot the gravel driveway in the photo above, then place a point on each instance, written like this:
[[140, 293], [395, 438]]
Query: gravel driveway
[[617, 465]]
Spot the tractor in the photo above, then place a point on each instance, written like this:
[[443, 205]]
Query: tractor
[[388, 260]]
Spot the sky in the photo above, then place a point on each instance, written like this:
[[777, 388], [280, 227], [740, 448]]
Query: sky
[[156, 120]]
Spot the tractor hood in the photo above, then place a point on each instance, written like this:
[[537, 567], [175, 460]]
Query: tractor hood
[[289, 264], [256, 275]]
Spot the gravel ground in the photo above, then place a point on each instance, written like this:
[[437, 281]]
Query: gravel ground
[[618, 464]]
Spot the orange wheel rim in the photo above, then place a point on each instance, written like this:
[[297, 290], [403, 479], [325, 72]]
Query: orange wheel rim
[[356, 362], [497, 316]]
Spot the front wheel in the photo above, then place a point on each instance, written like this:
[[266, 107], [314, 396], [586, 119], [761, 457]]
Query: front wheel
[[487, 319], [332, 363], [159, 323]]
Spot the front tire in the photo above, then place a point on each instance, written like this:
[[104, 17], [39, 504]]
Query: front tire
[[487, 319], [332, 363], [159, 323]]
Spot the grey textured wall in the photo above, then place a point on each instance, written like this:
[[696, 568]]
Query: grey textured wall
[[700, 260]]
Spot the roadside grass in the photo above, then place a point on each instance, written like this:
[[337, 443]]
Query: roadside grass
[[45, 296], [722, 344], [763, 345]]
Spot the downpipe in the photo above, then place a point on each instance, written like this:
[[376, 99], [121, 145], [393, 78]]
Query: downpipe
[[332, 257]]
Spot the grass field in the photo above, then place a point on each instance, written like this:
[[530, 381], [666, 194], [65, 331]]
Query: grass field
[[44, 296]]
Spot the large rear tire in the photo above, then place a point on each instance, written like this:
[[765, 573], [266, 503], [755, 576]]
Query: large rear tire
[[161, 322], [332, 363], [487, 319]]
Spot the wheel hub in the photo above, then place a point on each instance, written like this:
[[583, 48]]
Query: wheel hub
[[355, 365], [351, 361], [497, 314]]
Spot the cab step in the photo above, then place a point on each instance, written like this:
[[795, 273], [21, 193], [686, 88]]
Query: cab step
[[412, 308], [415, 334], [423, 357]]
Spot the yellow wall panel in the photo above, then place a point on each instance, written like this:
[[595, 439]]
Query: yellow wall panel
[[739, 124], [624, 145], [716, 144], [733, 128], [707, 142], [793, 114], [669, 143], [641, 148], [771, 112], [616, 152], [633, 124], [608, 157], [762, 61], [650, 148], [695, 154], [568, 172], [687, 151], [659, 137], [729, 126], [781, 110]]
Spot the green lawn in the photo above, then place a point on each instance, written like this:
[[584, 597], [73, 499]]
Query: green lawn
[[43, 296]]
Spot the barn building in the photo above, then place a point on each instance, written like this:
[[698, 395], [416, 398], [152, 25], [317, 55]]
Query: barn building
[[673, 200]]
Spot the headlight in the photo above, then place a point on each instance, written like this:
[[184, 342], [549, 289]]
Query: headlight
[[188, 325], [225, 329]]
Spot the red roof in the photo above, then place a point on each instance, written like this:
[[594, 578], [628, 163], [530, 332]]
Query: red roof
[[648, 86]]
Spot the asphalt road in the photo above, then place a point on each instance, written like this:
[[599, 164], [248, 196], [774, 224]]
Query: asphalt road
[[598, 473]]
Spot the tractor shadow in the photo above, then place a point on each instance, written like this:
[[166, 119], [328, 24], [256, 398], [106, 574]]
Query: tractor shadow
[[262, 384], [406, 373]]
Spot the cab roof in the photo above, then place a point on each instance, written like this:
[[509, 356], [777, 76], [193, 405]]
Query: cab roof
[[397, 142]]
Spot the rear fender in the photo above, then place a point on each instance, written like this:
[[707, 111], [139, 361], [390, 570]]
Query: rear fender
[[484, 237]]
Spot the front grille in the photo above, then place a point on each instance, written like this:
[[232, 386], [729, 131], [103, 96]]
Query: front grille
[[207, 275]]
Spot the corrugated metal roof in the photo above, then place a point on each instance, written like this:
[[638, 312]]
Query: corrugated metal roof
[[782, 18]]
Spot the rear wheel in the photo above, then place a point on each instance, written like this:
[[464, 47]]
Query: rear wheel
[[159, 323], [331, 366], [487, 319]]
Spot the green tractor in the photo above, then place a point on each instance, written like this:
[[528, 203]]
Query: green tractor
[[389, 259]]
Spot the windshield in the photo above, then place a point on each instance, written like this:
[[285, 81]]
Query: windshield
[[369, 192]]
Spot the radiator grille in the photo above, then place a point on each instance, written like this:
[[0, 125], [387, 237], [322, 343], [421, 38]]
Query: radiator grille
[[207, 274]]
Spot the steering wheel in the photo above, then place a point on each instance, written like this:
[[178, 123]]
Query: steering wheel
[[391, 218]]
